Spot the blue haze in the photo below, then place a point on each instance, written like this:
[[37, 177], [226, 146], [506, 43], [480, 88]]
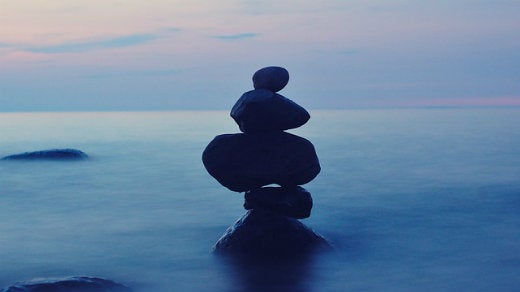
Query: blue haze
[[413, 200]]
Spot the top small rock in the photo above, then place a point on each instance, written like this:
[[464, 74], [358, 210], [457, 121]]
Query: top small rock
[[271, 78]]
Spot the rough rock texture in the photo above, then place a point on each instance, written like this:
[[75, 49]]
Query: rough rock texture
[[72, 284], [295, 202], [271, 78], [264, 233], [261, 110], [52, 154], [242, 162]]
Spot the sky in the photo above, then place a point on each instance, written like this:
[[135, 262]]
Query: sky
[[105, 55]]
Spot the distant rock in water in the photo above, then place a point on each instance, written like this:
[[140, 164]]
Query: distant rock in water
[[72, 284], [51, 154]]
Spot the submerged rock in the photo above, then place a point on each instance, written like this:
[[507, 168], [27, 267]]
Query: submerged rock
[[242, 162], [261, 110], [265, 233], [295, 202], [271, 78], [72, 284], [52, 154]]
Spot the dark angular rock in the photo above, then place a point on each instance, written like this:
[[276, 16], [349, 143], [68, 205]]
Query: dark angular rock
[[261, 110], [295, 202], [271, 78], [72, 284], [242, 162], [264, 233], [52, 154]]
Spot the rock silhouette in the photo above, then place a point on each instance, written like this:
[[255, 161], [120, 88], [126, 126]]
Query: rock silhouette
[[242, 162], [72, 284], [294, 202], [264, 155], [271, 78], [261, 110], [267, 233], [52, 154]]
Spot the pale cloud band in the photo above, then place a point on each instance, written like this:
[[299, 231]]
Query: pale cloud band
[[122, 41], [82, 46], [238, 36]]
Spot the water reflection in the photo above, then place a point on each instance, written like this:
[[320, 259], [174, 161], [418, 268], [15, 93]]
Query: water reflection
[[269, 274]]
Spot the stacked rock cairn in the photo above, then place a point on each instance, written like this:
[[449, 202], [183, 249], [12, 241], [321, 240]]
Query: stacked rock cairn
[[261, 156]]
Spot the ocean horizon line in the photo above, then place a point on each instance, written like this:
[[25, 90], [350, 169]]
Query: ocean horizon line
[[144, 110]]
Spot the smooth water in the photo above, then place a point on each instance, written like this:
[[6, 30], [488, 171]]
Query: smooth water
[[413, 200]]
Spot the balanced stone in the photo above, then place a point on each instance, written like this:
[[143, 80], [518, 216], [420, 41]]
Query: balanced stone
[[71, 284], [295, 202], [264, 233], [261, 110], [52, 154], [264, 155], [242, 162], [271, 78]]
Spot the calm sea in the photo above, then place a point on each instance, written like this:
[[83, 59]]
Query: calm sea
[[413, 200]]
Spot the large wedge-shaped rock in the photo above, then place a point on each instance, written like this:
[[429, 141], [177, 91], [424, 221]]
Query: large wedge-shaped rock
[[263, 233], [242, 162]]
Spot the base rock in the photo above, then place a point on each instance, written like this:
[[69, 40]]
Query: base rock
[[262, 233]]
